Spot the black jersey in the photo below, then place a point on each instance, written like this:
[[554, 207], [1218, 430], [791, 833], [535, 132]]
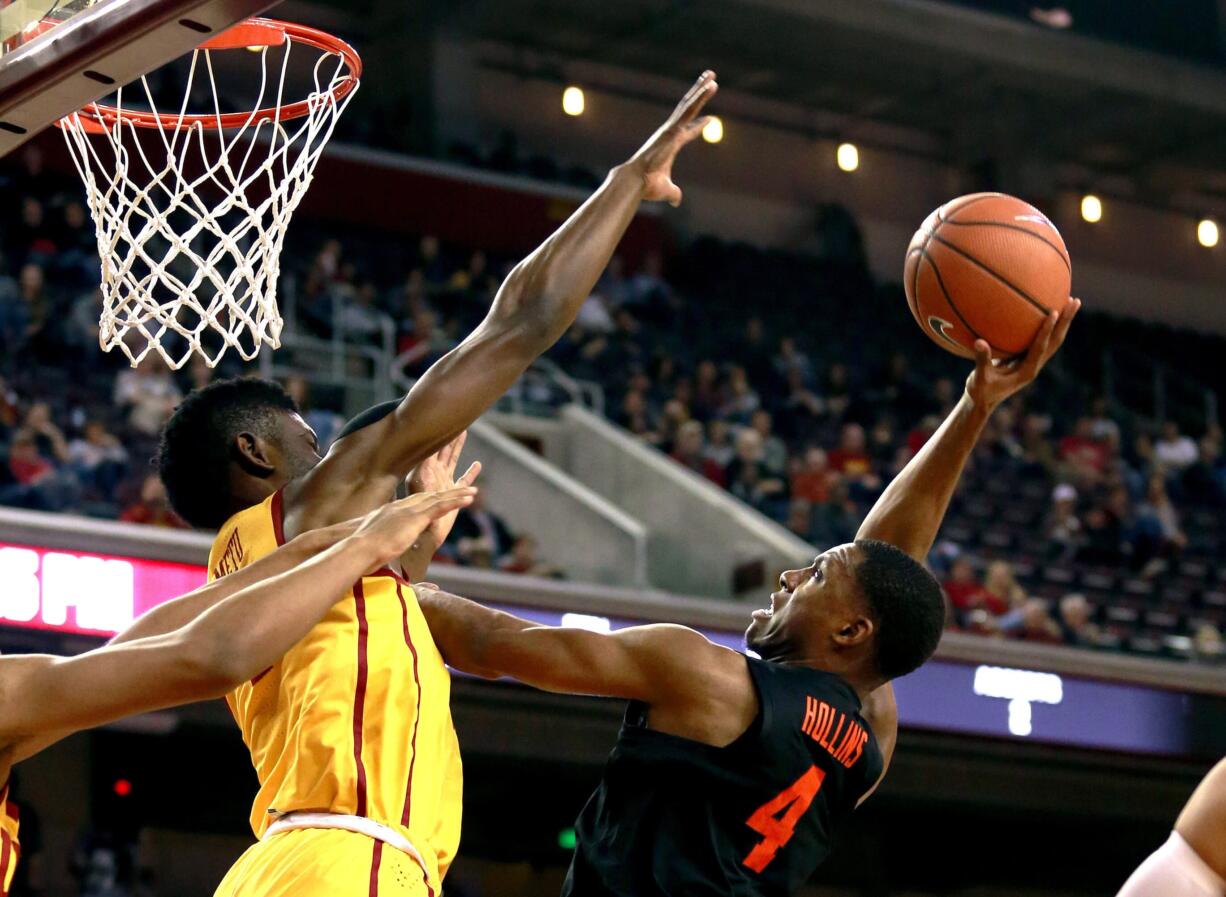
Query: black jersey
[[674, 817]]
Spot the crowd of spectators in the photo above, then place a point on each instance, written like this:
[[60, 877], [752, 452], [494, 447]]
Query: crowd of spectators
[[806, 424]]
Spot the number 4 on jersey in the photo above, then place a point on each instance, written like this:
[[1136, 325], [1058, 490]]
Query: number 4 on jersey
[[776, 819]]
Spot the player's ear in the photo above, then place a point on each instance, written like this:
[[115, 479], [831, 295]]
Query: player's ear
[[856, 631], [254, 455]]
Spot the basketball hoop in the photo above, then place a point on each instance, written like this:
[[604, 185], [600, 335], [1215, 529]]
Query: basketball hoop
[[191, 207]]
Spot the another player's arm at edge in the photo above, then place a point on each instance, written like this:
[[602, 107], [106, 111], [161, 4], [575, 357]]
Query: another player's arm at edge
[[44, 698], [909, 513], [535, 305]]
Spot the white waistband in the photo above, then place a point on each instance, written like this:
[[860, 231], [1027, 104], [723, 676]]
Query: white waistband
[[359, 824]]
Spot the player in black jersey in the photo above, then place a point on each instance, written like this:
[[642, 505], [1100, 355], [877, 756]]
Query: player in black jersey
[[731, 773]]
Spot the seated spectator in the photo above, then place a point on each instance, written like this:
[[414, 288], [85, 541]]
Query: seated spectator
[[800, 518], [792, 365], [1173, 450], [147, 394], [1037, 624], [1159, 537], [1200, 481], [812, 477], [1001, 591], [851, 459], [1208, 644], [1103, 428], [152, 508], [1075, 625], [635, 417], [719, 447], [707, 396], [479, 531], [688, 451], [522, 559], [836, 391], [962, 586], [836, 521], [1083, 456], [47, 436], [1063, 528], [742, 401], [774, 450], [802, 409], [1107, 528], [26, 465], [1037, 458], [751, 481], [919, 435], [98, 460]]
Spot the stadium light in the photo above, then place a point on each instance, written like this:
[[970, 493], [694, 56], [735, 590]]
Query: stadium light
[[1091, 208], [573, 101], [713, 130], [848, 157], [1207, 233]]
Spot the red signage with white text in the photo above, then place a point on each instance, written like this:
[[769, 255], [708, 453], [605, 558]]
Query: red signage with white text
[[87, 594]]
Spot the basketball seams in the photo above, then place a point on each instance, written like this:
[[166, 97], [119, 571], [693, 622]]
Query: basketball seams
[[966, 205], [1063, 253], [1038, 306], [949, 299]]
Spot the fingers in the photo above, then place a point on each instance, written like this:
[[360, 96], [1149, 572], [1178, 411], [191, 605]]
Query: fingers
[[1066, 319], [454, 448], [685, 110], [1037, 353], [695, 106], [983, 354], [470, 475]]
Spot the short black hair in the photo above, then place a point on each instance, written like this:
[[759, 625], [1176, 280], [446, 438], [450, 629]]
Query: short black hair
[[906, 603], [197, 443]]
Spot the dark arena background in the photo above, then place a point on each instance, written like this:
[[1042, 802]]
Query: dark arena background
[[739, 388]]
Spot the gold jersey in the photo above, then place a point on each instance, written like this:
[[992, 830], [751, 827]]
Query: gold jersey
[[355, 718]]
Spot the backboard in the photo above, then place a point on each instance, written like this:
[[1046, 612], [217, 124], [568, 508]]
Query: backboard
[[58, 55]]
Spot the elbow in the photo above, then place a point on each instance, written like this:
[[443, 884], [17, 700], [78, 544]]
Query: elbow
[[214, 666]]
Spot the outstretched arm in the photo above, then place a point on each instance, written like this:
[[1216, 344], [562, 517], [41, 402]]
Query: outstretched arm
[[910, 511], [43, 697], [536, 304], [643, 663]]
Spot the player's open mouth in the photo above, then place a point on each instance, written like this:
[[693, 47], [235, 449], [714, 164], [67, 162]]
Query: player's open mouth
[[763, 613]]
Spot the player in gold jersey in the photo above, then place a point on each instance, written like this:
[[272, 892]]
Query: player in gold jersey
[[198, 646], [350, 733]]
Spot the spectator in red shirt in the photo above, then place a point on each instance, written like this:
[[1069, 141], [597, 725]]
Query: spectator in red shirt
[[850, 458], [25, 463], [1082, 451], [152, 508], [812, 477], [963, 587]]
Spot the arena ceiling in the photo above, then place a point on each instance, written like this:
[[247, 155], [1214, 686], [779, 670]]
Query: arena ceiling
[[983, 89]]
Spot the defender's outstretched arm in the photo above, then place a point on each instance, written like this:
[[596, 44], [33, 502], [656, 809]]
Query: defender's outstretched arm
[[43, 698], [536, 304], [909, 513]]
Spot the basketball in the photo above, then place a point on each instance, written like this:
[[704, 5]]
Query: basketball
[[986, 266]]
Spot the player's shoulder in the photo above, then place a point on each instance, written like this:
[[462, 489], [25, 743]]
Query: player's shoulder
[[249, 534]]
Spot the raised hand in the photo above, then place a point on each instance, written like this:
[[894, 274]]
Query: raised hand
[[655, 158], [436, 474], [389, 531], [991, 382]]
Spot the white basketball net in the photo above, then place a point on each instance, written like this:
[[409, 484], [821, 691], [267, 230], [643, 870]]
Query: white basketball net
[[191, 220]]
